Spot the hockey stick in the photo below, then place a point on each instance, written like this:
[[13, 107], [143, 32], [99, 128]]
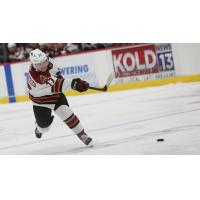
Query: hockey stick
[[105, 88]]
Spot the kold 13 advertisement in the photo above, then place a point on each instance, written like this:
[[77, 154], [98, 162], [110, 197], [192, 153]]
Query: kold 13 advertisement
[[143, 62]]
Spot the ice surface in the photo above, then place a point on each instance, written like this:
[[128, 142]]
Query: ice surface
[[125, 122]]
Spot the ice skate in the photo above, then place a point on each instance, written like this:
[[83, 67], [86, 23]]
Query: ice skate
[[38, 134], [84, 138]]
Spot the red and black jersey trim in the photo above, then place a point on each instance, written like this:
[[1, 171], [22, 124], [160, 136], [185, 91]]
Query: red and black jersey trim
[[58, 75], [36, 75], [49, 99], [72, 121], [28, 85], [57, 87]]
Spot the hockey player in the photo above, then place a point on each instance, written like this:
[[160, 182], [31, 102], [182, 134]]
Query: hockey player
[[46, 87]]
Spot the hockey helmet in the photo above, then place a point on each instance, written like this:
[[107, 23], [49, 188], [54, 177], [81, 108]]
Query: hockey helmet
[[39, 60]]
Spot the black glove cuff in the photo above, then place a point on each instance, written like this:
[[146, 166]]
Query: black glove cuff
[[74, 82]]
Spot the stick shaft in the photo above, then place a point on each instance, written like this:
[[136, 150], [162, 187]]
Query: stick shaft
[[105, 88]]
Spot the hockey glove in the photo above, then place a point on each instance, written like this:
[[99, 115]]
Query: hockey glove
[[79, 85]]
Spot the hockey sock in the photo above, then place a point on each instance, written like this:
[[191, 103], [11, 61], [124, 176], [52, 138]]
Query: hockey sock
[[69, 118]]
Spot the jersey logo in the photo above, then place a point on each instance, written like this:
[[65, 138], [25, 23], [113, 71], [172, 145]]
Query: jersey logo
[[46, 80], [43, 79]]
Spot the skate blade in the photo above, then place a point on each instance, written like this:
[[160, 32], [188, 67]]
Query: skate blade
[[90, 145], [88, 141]]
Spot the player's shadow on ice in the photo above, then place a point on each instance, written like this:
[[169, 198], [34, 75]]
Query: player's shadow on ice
[[115, 142]]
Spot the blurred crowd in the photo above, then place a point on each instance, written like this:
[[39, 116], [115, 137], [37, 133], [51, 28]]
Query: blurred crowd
[[20, 51]]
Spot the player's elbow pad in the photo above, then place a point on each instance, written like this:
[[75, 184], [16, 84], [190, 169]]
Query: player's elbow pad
[[60, 85]]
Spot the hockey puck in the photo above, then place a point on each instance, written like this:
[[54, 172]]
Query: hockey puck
[[160, 140]]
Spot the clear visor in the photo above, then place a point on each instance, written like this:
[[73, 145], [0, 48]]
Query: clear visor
[[42, 66]]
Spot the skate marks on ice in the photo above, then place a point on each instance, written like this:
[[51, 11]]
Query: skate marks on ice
[[195, 102], [170, 111], [2, 130], [106, 129], [113, 142], [151, 136]]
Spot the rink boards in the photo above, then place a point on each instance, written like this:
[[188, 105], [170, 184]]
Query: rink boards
[[139, 66]]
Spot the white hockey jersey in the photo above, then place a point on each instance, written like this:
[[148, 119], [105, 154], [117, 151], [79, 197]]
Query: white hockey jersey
[[44, 87]]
